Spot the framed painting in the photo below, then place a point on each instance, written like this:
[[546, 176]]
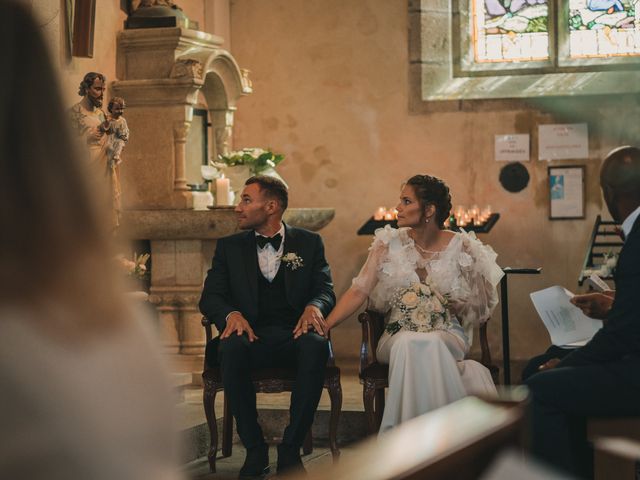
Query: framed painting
[[566, 192]]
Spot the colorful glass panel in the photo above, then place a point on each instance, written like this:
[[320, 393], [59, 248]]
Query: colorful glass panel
[[510, 30], [603, 28]]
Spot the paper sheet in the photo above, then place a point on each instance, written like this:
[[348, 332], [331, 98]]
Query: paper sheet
[[567, 325]]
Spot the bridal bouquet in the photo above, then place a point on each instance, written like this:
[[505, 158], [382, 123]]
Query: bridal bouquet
[[419, 308], [256, 159]]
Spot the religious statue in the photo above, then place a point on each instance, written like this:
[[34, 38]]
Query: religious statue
[[117, 129], [104, 136]]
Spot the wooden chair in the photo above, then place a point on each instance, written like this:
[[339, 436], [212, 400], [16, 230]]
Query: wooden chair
[[266, 380], [374, 376]]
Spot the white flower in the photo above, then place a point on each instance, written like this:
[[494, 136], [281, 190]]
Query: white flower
[[437, 306], [420, 317], [409, 299], [292, 260], [465, 260], [427, 305]]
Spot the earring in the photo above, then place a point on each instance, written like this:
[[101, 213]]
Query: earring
[[427, 220]]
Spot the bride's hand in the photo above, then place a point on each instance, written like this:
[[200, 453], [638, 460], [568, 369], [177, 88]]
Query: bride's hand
[[311, 319]]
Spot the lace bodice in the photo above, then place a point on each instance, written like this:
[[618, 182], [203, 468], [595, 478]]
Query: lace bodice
[[465, 271]]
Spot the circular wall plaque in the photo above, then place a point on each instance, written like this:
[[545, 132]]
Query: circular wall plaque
[[514, 177]]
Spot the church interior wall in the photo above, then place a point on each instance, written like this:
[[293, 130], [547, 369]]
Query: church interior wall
[[331, 92]]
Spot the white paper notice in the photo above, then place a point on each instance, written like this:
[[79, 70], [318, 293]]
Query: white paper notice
[[558, 142], [512, 148], [566, 323], [566, 190]]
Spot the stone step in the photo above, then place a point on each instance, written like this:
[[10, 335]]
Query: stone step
[[194, 438], [179, 383]]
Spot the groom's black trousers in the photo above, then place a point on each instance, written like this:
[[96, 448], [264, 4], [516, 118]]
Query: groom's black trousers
[[275, 347]]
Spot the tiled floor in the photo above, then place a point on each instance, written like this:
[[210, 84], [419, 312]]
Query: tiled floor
[[228, 468]]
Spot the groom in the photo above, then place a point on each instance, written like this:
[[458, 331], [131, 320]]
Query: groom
[[268, 291]]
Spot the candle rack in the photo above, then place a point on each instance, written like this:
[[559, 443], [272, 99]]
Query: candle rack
[[371, 225]]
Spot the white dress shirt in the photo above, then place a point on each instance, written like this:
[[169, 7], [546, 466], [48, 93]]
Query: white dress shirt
[[269, 257], [627, 225]]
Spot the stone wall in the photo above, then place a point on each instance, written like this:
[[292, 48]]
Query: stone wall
[[331, 91]]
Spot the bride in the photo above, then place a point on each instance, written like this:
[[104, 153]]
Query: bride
[[434, 286]]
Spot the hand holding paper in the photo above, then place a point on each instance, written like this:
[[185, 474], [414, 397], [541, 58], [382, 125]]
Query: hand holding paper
[[593, 305], [568, 326]]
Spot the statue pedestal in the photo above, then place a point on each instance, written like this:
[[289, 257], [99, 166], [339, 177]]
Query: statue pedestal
[[182, 245]]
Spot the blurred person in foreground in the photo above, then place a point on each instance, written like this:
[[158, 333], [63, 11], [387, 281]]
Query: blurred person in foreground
[[82, 395], [601, 378]]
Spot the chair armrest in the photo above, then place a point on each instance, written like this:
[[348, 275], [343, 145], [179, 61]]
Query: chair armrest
[[331, 361], [372, 328], [206, 323]]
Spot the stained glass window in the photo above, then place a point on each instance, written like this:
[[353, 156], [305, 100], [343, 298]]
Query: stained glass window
[[603, 28], [510, 30]]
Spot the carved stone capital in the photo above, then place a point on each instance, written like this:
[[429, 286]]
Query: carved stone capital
[[180, 131], [187, 68], [174, 298], [247, 84]]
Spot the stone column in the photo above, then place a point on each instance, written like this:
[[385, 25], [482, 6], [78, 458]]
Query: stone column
[[180, 132]]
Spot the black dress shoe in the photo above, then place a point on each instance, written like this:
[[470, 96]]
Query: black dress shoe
[[256, 463], [289, 459]]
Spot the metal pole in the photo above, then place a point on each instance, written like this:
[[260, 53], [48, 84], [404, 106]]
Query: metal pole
[[504, 300]]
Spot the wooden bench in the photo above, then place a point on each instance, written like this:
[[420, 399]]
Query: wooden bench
[[456, 441]]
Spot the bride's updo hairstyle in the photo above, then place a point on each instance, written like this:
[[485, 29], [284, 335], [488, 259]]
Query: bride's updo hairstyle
[[432, 191]]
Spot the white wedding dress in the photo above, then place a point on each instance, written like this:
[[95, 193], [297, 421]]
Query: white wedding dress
[[428, 370]]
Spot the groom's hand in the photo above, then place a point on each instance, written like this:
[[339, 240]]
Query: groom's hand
[[236, 323], [311, 319]]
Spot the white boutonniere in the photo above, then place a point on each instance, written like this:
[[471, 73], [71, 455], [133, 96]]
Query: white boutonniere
[[292, 260]]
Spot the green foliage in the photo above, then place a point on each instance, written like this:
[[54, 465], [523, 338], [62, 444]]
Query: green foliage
[[538, 24], [575, 22], [257, 159]]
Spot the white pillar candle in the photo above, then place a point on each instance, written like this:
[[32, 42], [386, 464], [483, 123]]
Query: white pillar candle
[[222, 191]]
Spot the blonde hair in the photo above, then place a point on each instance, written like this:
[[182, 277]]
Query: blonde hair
[[54, 249]]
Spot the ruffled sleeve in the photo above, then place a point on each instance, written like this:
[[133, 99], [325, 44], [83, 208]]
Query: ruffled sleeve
[[475, 295], [367, 279]]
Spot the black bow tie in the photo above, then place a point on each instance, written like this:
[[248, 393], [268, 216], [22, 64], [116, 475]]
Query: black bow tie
[[275, 241]]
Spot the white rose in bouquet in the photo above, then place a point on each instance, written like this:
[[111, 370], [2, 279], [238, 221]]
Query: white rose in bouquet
[[420, 317], [409, 299], [419, 307]]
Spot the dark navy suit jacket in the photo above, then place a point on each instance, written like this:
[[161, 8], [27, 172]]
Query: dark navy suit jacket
[[232, 282], [620, 336]]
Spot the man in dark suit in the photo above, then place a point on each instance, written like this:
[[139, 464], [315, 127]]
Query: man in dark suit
[[600, 379], [268, 292]]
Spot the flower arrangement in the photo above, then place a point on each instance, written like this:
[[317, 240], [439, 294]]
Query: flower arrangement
[[134, 268], [257, 159], [292, 261], [419, 308]]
